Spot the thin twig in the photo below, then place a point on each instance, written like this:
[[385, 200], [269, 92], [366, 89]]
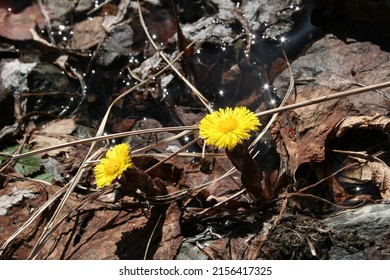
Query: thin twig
[[288, 195], [173, 154], [47, 21], [151, 236], [98, 7], [237, 194], [274, 116]]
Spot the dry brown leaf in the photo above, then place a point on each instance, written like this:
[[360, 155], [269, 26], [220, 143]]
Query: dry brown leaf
[[16, 26], [19, 213], [108, 235], [171, 238], [301, 135], [381, 177], [377, 121], [227, 248], [63, 127], [375, 171], [54, 133], [110, 22], [356, 175], [43, 141], [15, 194], [88, 33]]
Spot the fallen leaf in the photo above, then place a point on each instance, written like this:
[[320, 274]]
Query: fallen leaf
[[16, 26], [171, 238], [43, 141], [355, 175], [19, 213], [14, 197], [54, 133], [88, 33], [381, 177], [379, 122], [301, 135], [371, 169], [64, 127]]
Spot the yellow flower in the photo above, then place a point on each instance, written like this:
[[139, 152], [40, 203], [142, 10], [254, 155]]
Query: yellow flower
[[112, 166], [228, 127]]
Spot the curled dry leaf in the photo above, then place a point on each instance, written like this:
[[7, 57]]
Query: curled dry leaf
[[376, 171], [371, 168], [301, 135], [377, 121], [16, 26]]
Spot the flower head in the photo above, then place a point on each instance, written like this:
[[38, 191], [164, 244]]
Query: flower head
[[227, 127], [112, 166]]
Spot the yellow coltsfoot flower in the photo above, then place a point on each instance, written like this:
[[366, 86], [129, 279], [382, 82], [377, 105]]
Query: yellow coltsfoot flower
[[228, 127], [112, 166]]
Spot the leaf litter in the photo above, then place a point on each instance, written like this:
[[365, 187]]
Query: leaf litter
[[177, 192]]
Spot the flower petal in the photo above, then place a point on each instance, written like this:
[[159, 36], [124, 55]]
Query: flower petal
[[113, 165], [227, 127]]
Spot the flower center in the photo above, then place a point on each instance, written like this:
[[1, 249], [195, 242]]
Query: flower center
[[112, 168], [227, 125]]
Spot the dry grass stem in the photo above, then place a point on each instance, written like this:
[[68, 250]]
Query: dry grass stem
[[189, 144], [324, 99]]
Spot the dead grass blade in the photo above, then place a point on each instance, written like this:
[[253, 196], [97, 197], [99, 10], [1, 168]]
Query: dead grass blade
[[324, 99], [275, 115]]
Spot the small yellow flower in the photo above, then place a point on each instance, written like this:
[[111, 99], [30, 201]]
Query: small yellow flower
[[228, 127], [112, 166]]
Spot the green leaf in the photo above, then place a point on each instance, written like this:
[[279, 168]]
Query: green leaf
[[26, 165], [45, 177], [9, 151]]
